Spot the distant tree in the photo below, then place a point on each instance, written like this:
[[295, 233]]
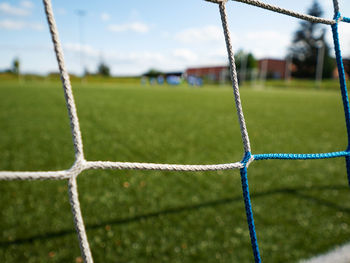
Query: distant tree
[[103, 70], [245, 64], [153, 73], [240, 56], [16, 66], [86, 72], [307, 42], [252, 62]]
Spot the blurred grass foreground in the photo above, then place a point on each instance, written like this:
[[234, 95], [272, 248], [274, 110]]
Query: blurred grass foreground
[[301, 208]]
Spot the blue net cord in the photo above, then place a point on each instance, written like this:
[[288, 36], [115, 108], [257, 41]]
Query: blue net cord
[[345, 99], [309, 156], [248, 208], [342, 82], [341, 74], [293, 156], [290, 156]]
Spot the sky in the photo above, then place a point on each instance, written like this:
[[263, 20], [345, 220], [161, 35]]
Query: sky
[[133, 36]]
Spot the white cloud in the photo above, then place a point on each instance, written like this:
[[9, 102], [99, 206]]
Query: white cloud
[[219, 53], [27, 4], [134, 14], [135, 27], [165, 34], [105, 17], [344, 38], [327, 4], [200, 35], [132, 62], [185, 54], [120, 57], [61, 11], [8, 9], [265, 35], [211, 48], [267, 43], [20, 25], [86, 49], [261, 43]]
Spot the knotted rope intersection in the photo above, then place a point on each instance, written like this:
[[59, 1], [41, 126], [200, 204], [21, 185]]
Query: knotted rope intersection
[[81, 164]]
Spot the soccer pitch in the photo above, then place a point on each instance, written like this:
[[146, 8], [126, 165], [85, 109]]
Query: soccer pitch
[[301, 208]]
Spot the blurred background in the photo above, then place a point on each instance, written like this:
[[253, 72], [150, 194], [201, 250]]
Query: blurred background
[[170, 39], [151, 84]]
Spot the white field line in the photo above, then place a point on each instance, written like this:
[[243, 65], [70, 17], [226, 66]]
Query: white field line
[[338, 255]]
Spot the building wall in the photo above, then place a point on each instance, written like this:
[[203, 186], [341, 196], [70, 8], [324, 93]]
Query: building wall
[[212, 73], [273, 68]]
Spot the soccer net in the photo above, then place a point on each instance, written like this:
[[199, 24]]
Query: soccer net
[[81, 164]]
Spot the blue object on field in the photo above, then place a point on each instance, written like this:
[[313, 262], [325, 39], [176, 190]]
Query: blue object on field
[[173, 80], [194, 81], [152, 81], [160, 80]]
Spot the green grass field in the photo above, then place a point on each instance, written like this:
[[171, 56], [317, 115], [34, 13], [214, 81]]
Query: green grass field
[[301, 208]]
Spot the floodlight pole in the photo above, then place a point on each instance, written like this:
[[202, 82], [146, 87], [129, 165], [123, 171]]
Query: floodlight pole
[[319, 64], [81, 14], [288, 69], [263, 71], [243, 69]]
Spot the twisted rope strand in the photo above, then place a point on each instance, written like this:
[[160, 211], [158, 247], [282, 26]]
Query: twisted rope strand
[[76, 134], [292, 13], [162, 167], [67, 88], [78, 220], [233, 73], [16, 175], [93, 165], [336, 6], [87, 165], [281, 10], [77, 168]]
